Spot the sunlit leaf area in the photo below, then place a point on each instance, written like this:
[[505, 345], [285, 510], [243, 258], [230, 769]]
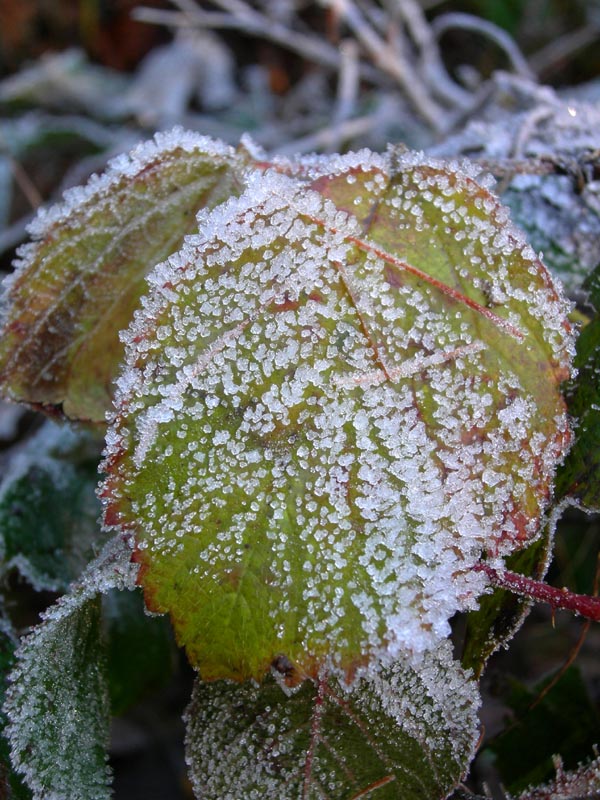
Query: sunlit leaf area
[[299, 400]]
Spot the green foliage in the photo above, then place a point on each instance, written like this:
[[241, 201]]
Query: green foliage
[[11, 785], [501, 613], [79, 282], [525, 751], [579, 476], [399, 734], [48, 508], [338, 395], [58, 703], [140, 649], [281, 353]]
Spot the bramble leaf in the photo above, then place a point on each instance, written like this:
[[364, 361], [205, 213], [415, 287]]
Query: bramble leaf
[[49, 511], [77, 284], [11, 786], [407, 733], [338, 398], [57, 703]]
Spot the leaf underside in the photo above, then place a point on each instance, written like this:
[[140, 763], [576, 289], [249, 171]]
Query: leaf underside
[[77, 285], [57, 701], [49, 511], [338, 397], [393, 735]]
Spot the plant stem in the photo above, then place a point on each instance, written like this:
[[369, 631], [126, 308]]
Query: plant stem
[[582, 604]]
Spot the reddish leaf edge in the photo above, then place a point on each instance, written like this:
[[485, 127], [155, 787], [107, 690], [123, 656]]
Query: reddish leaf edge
[[582, 604]]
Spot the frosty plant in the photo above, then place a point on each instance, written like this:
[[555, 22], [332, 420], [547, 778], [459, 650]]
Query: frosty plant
[[334, 410]]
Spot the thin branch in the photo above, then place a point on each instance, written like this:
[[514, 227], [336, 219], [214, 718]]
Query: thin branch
[[313, 48], [431, 65], [550, 57], [493, 32], [582, 604], [328, 138], [347, 88], [392, 62]]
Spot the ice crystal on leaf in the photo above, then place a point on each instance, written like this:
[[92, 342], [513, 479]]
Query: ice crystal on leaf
[[402, 733], [57, 702], [338, 397], [77, 284]]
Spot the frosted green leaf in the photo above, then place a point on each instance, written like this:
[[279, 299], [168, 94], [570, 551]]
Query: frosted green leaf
[[337, 399], [76, 286], [57, 703], [11, 787], [406, 733], [49, 511]]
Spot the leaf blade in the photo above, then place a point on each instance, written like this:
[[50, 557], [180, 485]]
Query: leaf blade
[[393, 734], [279, 342], [57, 701], [78, 284]]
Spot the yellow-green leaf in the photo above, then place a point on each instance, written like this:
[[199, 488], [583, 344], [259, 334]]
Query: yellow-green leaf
[[338, 398], [77, 285]]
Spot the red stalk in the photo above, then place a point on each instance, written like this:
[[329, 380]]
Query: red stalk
[[582, 604]]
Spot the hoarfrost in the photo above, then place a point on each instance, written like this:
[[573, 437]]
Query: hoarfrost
[[57, 701], [407, 421], [560, 213], [415, 728]]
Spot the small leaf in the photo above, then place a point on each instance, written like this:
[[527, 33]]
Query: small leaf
[[57, 703], [407, 733], [337, 399], [49, 511], [77, 285], [579, 476]]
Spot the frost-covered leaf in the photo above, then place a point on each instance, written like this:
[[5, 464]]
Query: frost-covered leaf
[[76, 286], [338, 398], [407, 733], [57, 703], [11, 786], [559, 213], [579, 475], [49, 511], [140, 649]]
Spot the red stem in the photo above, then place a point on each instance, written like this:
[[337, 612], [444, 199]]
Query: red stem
[[583, 604]]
